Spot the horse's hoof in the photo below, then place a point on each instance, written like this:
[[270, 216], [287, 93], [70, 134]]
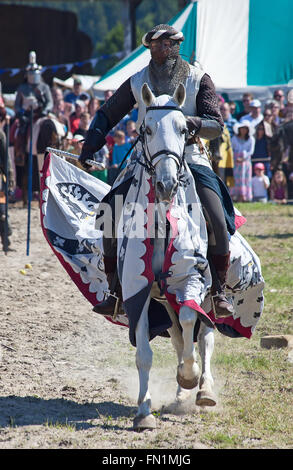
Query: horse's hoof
[[188, 384], [205, 398], [144, 422]]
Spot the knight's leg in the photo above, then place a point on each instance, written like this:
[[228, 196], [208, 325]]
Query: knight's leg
[[144, 356], [112, 303], [205, 395], [218, 252], [188, 370]]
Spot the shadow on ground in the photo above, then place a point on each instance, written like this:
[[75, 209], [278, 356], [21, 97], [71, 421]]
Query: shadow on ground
[[24, 411]]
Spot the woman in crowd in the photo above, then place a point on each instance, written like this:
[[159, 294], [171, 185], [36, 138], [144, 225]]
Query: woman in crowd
[[243, 144]]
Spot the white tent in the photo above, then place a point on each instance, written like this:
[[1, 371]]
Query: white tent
[[239, 43]]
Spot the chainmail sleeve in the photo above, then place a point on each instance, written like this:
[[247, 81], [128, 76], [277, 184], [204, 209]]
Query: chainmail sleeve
[[208, 123], [207, 101]]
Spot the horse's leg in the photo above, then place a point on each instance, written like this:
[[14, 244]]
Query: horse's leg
[[205, 395], [188, 371], [143, 419], [177, 343]]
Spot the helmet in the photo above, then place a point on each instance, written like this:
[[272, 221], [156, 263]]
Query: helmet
[[33, 70], [162, 31]]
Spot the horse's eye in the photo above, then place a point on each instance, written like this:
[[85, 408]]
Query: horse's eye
[[148, 130], [184, 131]]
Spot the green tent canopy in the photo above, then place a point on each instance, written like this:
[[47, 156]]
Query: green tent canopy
[[239, 43]]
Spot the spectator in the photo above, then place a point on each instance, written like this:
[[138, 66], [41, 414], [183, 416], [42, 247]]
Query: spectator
[[131, 133], [226, 164], [74, 95], [77, 143], [260, 184], [232, 105], [279, 96], [220, 100], [93, 106], [9, 111], [275, 108], [279, 188], [229, 121], [84, 124], [243, 146], [246, 99], [289, 115], [102, 156], [289, 105], [107, 94], [261, 152], [255, 115], [77, 93], [75, 116], [57, 94], [120, 149]]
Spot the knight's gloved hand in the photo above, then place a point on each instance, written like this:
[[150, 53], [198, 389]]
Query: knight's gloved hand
[[86, 154], [94, 141], [193, 125]]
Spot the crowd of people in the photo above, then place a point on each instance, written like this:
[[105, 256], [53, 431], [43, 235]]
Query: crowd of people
[[243, 152], [245, 158]]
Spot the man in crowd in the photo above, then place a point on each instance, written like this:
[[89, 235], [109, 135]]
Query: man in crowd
[[255, 115], [229, 121]]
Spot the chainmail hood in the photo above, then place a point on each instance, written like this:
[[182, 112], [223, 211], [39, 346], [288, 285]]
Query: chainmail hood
[[167, 76]]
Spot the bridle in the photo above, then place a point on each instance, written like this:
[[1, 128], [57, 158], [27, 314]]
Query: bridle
[[150, 160]]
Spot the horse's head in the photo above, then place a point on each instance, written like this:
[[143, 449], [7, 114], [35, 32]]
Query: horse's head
[[164, 133]]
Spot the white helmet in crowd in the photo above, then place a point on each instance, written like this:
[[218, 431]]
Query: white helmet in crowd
[[33, 70]]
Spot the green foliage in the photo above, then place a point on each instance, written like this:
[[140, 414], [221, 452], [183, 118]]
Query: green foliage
[[102, 22]]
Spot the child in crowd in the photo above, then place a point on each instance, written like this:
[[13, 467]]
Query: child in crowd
[[278, 188], [120, 149], [260, 184], [84, 124], [131, 133]]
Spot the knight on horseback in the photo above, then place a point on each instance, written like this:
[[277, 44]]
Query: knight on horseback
[[33, 94], [165, 71]]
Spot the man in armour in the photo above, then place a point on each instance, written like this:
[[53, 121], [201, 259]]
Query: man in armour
[[33, 94], [163, 74]]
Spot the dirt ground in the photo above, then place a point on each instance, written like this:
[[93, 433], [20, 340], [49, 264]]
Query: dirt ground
[[67, 376]]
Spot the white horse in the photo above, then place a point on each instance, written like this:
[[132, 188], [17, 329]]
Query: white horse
[[170, 268], [164, 134]]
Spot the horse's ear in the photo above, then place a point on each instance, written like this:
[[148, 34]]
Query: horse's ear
[[147, 95], [180, 94]]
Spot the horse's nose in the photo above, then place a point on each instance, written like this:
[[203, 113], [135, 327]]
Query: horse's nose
[[166, 189]]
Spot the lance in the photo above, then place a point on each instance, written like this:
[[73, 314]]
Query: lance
[[73, 156], [6, 183], [30, 183]]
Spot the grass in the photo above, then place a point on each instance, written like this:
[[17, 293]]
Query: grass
[[257, 392], [255, 385]]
